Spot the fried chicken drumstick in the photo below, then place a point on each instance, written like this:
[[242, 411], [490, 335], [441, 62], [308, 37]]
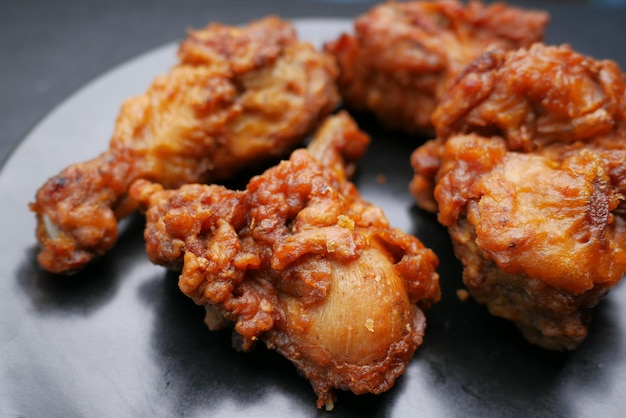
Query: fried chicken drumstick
[[528, 173], [300, 261], [403, 55], [237, 97]]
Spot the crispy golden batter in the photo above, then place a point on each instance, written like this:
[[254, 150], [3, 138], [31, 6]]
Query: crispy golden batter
[[532, 98], [238, 96], [404, 55], [300, 261], [529, 177], [539, 239]]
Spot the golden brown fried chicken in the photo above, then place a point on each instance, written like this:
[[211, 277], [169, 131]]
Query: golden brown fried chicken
[[543, 95], [237, 97], [540, 240], [534, 97], [529, 177], [300, 261], [403, 56]]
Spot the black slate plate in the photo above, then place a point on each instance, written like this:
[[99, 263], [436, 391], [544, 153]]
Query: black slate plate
[[119, 339]]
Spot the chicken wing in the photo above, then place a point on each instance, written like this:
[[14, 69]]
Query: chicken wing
[[238, 96], [528, 174], [541, 240], [543, 95], [404, 55], [300, 261]]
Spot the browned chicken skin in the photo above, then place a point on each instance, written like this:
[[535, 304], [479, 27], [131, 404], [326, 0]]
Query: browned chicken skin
[[528, 174], [535, 97], [300, 261], [404, 55], [540, 240], [237, 97]]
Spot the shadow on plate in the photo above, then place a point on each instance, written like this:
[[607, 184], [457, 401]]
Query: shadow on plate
[[87, 290]]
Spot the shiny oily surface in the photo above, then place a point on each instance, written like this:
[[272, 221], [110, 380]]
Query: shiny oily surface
[[120, 339]]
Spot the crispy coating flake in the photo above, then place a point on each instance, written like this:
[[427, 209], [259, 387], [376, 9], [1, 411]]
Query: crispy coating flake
[[237, 97], [300, 261], [403, 55]]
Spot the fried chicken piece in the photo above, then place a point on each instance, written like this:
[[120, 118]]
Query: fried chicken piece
[[403, 56], [300, 261], [529, 177], [532, 98], [539, 239], [238, 96]]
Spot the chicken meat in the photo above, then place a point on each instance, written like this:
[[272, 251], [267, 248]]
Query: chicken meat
[[403, 56], [300, 261], [541, 240], [528, 173], [238, 96]]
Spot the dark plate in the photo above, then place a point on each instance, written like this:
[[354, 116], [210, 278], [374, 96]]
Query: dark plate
[[119, 339]]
